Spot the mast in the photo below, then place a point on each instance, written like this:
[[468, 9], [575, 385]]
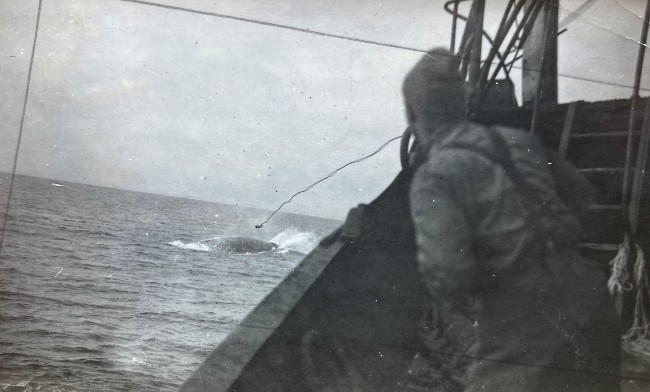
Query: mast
[[539, 74]]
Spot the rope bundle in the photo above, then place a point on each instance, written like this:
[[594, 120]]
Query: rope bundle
[[637, 338]]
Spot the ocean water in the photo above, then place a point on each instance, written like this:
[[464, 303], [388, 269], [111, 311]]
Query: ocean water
[[111, 290]]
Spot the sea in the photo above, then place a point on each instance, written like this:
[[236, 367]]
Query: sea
[[104, 289]]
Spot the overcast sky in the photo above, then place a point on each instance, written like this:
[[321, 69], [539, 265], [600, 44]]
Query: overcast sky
[[141, 97]]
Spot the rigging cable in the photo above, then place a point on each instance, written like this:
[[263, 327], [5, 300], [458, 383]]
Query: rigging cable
[[20, 131], [328, 176], [586, 20], [629, 9], [575, 13], [343, 37], [456, 15]]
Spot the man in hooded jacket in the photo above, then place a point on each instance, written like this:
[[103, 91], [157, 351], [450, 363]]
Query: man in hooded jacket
[[516, 306]]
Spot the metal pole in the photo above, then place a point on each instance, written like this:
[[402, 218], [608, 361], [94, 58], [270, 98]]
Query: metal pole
[[474, 71], [627, 316], [546, 45], [634, 105], [454, 21], [641, 164]]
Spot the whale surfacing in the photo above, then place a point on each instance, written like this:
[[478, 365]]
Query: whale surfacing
[[241, 245]]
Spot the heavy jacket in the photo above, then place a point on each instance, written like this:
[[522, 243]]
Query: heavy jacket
[[496, 233]]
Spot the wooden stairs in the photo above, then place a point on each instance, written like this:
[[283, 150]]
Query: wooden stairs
[[593, 136]]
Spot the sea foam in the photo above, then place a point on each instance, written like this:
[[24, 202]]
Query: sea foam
[[295, 240], [191, 245]]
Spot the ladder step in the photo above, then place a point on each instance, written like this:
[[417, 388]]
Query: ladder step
[[601, 247], [603, 170], [600, 207], [602, 134]]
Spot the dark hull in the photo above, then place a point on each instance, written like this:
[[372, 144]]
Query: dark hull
[[363, 292]]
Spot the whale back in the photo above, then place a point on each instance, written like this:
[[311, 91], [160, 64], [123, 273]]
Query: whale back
[[240, 245]]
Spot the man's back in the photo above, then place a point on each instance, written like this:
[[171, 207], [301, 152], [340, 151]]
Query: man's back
[[490, 225]]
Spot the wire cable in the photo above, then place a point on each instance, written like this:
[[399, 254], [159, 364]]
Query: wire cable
[[271, 24], [343, 37], [5, 218], [326, 177]]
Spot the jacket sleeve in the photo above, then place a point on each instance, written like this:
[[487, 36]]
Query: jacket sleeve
[[442, 233]]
